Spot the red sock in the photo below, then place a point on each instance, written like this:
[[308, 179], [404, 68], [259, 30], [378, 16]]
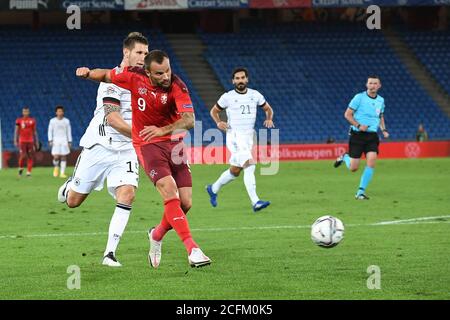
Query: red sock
[[164, 227], [161, 229], [30, 165], [20, 163], [178, 220]]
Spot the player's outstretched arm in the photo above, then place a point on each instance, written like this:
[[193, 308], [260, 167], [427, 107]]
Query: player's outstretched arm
[[186, 122], [98, 75]]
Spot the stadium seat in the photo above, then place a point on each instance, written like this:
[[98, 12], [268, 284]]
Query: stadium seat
[[310, 72], [307, 72], [49, 77]]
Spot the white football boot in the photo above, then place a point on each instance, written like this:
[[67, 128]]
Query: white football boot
[[111, 261], [154, 254], [198, 259]]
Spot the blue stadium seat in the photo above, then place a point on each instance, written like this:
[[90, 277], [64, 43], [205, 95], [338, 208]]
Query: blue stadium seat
[[433, 50], [43, 74], [309, 73]]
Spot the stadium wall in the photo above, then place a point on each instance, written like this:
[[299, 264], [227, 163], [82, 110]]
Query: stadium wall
[[286, 152], [299, 152], [41, 158]]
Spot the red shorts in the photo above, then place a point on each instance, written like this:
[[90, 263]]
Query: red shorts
[[26, 149], [165, 158]]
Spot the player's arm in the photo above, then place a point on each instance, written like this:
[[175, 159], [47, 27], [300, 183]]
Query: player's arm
[[50, 134], [268, 123], [383, 127], [222, 125], [349, 116], [16, 135], [36, 137], [186, 122], [98, 75], [115, 120], [69, 134], [184, 107]]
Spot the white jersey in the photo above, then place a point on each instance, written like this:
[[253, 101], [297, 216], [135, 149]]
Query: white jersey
[[241, 108], [59, 131], [99, 131]]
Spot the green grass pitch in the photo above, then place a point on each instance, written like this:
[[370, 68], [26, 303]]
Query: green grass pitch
[[267, 255]]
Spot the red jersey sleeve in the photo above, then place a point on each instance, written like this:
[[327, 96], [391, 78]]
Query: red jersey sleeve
[[18, 122], [122, 77], [181, 96]]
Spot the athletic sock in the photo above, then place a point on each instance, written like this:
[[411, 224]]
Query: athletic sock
[[63, 166], [20, 164], [178, 220], [225, 178], [117, 225], [29, 165], [56, 163], [160, 230], [346, 159], [365, 179], [250, 183]]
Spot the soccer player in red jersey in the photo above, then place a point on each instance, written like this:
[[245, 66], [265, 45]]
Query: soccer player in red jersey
[[26, 139], [162, 111]]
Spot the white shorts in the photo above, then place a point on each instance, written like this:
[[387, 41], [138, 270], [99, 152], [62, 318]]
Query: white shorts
[[240, 144], [98, 163], [60, 148]]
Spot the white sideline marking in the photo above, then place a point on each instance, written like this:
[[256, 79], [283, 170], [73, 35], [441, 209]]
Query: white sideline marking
[[410, 220], [420, 220]]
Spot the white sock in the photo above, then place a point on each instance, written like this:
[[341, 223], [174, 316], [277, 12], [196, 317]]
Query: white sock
[[63, 166], [250, 183], [56, 163], [117, 225], [224, 178]]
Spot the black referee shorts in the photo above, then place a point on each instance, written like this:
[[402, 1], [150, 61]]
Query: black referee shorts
[[362, 142]]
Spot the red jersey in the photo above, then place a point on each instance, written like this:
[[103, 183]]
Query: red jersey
[[27, 126], [152, 105]]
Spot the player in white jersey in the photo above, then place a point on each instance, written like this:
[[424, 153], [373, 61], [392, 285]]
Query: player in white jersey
[[108, 153], [60, 140], [241, 105]]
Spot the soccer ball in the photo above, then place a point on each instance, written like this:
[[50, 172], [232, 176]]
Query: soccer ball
[[327, 231]]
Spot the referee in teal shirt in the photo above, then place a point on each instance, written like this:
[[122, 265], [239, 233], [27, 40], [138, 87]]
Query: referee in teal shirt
[[365, 114]]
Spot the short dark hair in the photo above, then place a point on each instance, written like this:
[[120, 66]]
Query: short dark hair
[[59, 107], [239, 69], [373, 76], [25, 108], [133, 38], [157, 56]]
